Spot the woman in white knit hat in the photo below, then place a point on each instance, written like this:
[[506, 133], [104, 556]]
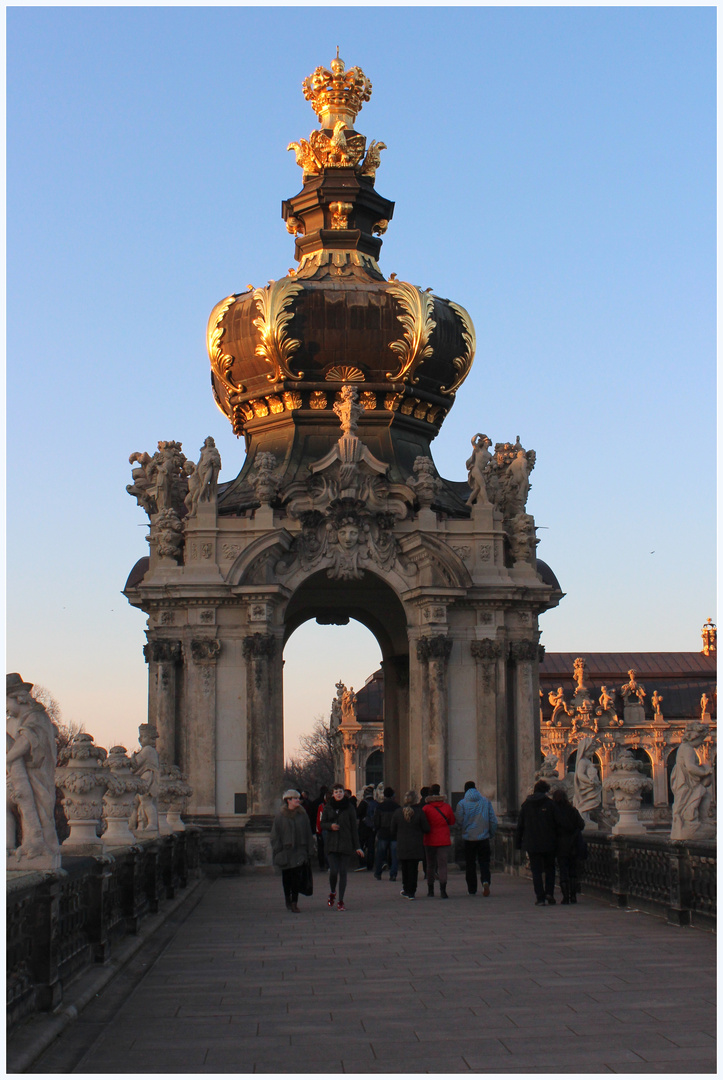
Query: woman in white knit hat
[[291, 844]]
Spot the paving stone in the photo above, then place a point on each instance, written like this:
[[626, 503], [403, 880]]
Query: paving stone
[[446, 988]]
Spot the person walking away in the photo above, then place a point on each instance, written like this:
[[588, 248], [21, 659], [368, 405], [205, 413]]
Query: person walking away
[[438, 841], [570, 824], [366, 810], [409, 824], [386, 848], [476, 817], [338, 824], [291, 845], [537, 834], [317, 806]]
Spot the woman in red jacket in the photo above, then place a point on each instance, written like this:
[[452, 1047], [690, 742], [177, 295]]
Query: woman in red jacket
[[437, 841]]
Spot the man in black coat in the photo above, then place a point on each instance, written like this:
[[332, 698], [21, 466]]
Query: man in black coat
[[537, 834]]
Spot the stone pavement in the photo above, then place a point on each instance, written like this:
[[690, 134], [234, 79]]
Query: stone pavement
[[471, 984]]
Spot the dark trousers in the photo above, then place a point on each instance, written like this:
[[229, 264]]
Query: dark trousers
[[290, 881], [338, 867], [542, 862], [567, 865], [366, 839], [476, 852], [410, 875]]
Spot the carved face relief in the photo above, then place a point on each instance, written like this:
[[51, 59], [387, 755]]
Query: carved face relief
[[348, 537]]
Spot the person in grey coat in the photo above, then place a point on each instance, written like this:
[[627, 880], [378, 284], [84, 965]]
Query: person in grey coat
[[409, 824], [291, 845]]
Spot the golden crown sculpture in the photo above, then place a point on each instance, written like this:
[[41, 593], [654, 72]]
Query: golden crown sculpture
[[337, 94], [336, 97]]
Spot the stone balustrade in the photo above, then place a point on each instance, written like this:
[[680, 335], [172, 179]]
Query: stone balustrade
[[61, 924], [672, 878]]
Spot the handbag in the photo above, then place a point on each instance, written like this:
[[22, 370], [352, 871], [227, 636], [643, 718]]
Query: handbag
[[306, 879]]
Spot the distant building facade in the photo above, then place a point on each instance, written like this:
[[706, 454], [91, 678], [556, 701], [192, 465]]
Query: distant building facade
[[359, 734]]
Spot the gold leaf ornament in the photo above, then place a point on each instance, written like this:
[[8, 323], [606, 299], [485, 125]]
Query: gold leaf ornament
[[221, 363], [462, 363], [276, 347], [416, 318]]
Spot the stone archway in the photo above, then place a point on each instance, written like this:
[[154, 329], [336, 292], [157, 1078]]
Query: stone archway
[[374, 603]]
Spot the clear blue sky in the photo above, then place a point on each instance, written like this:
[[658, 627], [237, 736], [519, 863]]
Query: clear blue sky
[[553, 171]]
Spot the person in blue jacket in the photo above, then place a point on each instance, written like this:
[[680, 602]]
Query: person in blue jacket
[[478, 821]]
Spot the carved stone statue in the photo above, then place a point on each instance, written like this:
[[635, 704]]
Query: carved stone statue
[[146, 763], [559, 708], [425, 482], [523, 541], [517, 481], [203, 477], [348, 707], [30, 764], [335, 718], [587, 785], [704, 702], [161, 481], [348, 409], [476, 466], [633, 689], [691, 783], [606, 707], [168, 532], [656, 699], [263, 480]]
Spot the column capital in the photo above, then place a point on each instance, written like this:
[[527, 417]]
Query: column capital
[[256, 646], [162, 651], [524, 651], [485, 649], [437, 647], [204, 650]]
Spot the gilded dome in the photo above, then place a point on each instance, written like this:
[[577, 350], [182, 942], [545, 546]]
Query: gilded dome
[[288, 348]]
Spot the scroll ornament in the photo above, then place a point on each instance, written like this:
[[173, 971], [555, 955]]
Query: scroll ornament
[[462, 363], [276, 347], [221, 362], [416, 318]]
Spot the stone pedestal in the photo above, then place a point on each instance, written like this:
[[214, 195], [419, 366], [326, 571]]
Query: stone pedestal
[[627, 784], [83, 781], [119, 799]]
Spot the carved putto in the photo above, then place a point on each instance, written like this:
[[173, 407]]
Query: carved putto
[[203, 477], [160, 482], [633, 692]]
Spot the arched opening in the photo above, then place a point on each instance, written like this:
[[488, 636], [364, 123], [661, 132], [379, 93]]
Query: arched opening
[[356, 628], [642, 755], [374, 768]]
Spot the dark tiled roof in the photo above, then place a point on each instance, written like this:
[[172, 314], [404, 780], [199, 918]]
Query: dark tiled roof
[[646, 665], [370, 699]]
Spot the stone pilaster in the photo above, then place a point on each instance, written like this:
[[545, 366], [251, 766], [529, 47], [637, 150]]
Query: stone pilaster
[[200, 751], [433, 654], [524, 655], [163, 656], [487, 653], [265, 729]]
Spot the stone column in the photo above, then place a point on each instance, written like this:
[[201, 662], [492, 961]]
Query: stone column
[[397, 767], [200, 757], [433, 654], [486, 653], [264, 720], [163, 657], [524, 655]]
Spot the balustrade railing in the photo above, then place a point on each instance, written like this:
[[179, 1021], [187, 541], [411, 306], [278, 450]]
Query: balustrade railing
[[676, 879], [59, 925]]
